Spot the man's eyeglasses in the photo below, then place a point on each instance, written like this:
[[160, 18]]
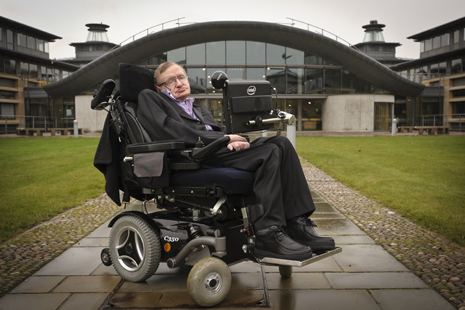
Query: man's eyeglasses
[[170, 82]]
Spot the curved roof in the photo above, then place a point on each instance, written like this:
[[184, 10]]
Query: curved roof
[[165, 40]]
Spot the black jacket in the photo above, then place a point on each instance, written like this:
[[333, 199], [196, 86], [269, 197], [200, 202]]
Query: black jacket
[[164, 119]]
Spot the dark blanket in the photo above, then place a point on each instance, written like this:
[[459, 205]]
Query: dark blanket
[[107, 160]]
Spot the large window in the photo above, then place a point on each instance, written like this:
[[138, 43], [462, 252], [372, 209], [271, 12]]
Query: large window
[[456, 36], [456, 66], [311, 59], [445, 39], [436, 42], [196, 54], [24, 67], [197, 80], [236, 74], [7, 109], [289, 70], [256, 73], [427, 45], [22, 39], [256, 53], [295, 81], [314, 81], [349, 81], [10, 66], [294, 57], [31, 42], [216, 53], [40, 45], [332, 81], [277, 78], [235, 52], [275, 54], [178, 56], [9, 40], [4, 94]]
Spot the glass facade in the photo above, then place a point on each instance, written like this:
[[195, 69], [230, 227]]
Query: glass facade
[[302, 80]]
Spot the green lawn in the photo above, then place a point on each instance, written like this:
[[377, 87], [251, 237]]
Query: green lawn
[[42, 177], [422, 178]]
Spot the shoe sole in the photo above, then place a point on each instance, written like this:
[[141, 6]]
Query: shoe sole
[[318, 247], [262, 254]]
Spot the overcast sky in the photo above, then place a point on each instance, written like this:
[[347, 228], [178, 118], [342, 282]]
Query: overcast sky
[[344, 18]]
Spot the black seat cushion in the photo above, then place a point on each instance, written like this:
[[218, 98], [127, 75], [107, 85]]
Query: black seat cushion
[[233, 181]]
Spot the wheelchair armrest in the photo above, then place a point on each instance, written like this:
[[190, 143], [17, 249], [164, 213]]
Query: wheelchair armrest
[[155, 147], [201, 152]]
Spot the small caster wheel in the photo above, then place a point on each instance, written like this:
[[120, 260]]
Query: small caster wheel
[[105, 257], [285, 271], [209, 282]]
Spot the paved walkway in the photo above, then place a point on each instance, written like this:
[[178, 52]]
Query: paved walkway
[[363, 276]]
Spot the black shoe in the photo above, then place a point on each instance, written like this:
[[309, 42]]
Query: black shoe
[[273, 242], [301, 230]]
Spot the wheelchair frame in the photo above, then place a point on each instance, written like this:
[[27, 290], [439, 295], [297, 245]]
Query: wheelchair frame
[[199, 227]]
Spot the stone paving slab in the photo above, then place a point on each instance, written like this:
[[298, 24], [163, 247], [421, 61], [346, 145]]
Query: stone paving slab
[[74, 261], [95, 284], [38, 284], [366, 258], [410, 300], [32, 301], [322, 299], [84, 301], [381, 280]]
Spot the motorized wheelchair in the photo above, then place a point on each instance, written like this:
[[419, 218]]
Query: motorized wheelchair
[[207, 215]]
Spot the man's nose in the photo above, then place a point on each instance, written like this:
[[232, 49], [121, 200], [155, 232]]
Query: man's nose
[[177, 82]]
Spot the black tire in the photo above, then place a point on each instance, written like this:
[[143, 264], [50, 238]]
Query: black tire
[[209, 282], [105, 257], [134, 248]]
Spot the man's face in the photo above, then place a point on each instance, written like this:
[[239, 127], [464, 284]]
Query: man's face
[[179, 90]]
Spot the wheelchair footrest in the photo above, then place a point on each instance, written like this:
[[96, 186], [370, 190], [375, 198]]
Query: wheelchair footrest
[[285, 262]]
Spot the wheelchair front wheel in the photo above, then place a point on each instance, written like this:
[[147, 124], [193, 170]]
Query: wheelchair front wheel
[[209, 282], [135, 248]]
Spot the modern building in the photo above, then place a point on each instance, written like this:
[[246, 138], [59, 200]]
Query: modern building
[[96, 45], [25, 66], [328, 84], [441, 68], [376, 47]]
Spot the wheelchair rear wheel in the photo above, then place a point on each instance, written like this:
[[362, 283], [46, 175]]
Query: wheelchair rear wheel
[[135, 248], [209, 282]]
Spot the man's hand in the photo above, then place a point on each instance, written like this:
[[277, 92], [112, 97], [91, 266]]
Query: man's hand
[[237, 143]]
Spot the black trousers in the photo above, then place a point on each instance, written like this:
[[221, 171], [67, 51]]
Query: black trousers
[[280, 184]]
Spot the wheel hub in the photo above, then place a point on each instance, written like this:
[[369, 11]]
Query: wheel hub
[[213, 283]]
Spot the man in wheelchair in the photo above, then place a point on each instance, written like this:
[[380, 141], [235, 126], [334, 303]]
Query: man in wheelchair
[[220, 198], [284, 230]]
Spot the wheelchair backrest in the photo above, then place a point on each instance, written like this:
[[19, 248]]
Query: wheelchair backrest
[[133, 80]]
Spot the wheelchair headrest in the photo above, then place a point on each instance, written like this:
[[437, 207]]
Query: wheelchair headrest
[[133, 80]]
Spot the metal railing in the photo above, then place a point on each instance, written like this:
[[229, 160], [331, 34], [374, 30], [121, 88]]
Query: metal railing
[[147, 31], [322, 31], [177, 22], [9, 123], [454, 121]]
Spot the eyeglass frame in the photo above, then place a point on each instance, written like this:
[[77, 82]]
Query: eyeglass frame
[[174, 79]]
